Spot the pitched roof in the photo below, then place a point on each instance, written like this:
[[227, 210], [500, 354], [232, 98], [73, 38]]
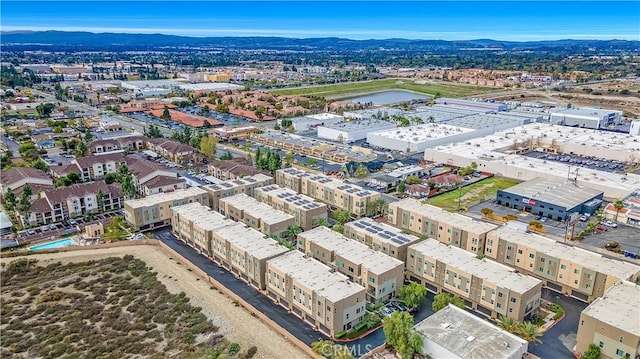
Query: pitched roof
[[171, 145], [140, 167], [89, 161], [13, 175], [189, 120], [160, 181], [35, 188], [65, 169], [40, 205], [79, 190]]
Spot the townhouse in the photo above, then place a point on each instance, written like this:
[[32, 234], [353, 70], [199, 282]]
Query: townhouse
[[16, 178], [434, 222], [73, 201], [193, 223], [129, 143], [155, 211], [234, 169], [487, 287], [244, 185], [257, 215], [380, 274], [305, 210], [334, 192], [380, 237], [612, 322], [565, 269], [326, 300]]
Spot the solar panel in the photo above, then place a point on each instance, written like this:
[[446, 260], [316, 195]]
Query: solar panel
[[396, 241], [384, 236]]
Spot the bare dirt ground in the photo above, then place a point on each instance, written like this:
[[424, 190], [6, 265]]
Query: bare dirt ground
[[234, 322]]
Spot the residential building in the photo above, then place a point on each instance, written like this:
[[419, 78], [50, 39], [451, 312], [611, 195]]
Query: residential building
[[334, 192], [380, 274], [173, 150], [236, 168], [305, 210], [228, 188], [16, 178], [255, 214], [193, 224], [455, 333], [129, 143], [78, 200], [380, 237], [402, 173], [312, 291], [487, 287], [93, 168], [612, 322], [565, 269], [151, 177], [155, 211], [434, 222]]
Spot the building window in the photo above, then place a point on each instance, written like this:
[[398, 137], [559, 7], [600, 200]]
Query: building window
[[513, 300], [563, 266], [621, 338], [576, 271], [620, 352], [531, 255], [372, 280], [601, 344]]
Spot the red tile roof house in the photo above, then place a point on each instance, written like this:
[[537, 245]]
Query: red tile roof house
[[74, 201], [15, 178], [144, 173]]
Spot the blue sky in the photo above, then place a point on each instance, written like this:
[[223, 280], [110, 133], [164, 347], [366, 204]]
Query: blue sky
[[447, 20]]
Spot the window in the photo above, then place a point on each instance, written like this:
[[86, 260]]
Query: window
[[497, 305], [531, 255], [576, 271], [372, 280], [519, 251], [621, 338], [500, 294], [541, 260], [513, 300], [601, 344], [620, 352]]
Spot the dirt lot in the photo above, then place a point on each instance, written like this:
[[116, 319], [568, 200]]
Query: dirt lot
[[234, 322]]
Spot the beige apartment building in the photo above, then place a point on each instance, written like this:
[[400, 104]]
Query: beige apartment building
[[193, 224], [487, 287], [612, 323], [304, 209], [155, 211], [380, 274], [566, 269], [244, 252], [244, 185], [258, 215], [315, 293], [334, 192], [380, 237], [434, 222]]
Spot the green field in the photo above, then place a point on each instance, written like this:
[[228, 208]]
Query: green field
[[472, 194], [355, 88]]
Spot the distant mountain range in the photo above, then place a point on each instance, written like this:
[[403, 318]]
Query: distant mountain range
[[102, 41]]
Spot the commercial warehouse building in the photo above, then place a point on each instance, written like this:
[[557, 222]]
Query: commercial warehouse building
[[347, 132], [585, 117], [255, 214], [487, 287], [305, 210], [311, 122], [612, 322], [434, 222], [228, 188], [380, 237], [193, 223], [380, 274], [455, 333], [332, 191], [155, 211], [418, 138], [551, 198], [380, 113], [573, 271], [326, 300], [474, 105]]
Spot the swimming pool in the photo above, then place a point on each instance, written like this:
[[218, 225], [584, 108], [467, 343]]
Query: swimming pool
[[60, 243]]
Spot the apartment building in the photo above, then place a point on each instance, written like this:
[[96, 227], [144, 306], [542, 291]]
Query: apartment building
[[487, 287], [304, 209], [612, 322], [234, 169], [129, 143], [173, 150], [93, 168], [380, 274], [151, 177], [16, 178], [155, 211], [193, 223], [566, 269], [244, 185], [380, 237], [434, 222], [316, 294], [73, 201], [254, 214], [334, 192]]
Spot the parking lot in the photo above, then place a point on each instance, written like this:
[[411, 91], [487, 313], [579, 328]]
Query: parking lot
[[628, 238], [590, 162], [227, 118], [65, 226], [152, 120]]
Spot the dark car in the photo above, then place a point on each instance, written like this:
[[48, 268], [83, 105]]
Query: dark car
[[400, 306]]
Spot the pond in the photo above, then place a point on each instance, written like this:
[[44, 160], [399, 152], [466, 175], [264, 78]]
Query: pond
[[388, 97]]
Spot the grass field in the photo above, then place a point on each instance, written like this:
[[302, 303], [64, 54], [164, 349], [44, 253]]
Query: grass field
[[354, 88], [472, 194]]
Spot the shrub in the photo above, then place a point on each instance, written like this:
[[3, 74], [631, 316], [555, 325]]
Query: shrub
[[233, 349], [251, 352], [341, 334]]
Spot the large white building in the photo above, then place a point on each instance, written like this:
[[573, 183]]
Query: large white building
[[418, 138], [352, 131], [311, 122], [483, 106], [379, 113], [585, 117]]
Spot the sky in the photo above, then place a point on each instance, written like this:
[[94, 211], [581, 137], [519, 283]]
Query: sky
[[445, 20]]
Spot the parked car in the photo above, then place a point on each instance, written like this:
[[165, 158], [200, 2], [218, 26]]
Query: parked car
[[611, 224], [583, 218], [386, 311], [601, 228], [73, 222], [53, 227], [400, 306], [31, 232], [543, 219], [611, 245]]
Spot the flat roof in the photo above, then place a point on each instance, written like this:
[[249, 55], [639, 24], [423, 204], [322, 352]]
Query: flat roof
[[315, 143], [488, 270], [351, 250], [469, 336], [210, 86], [230, 184], [330, 182], [441, 113], [406, 170], [316, 276], [324, 116], [383, 232], [481, 120], [293, 198], [390, 111], [202, 216], [422, 133], [587, 259], [359, 125], [564, 193], [584, 112], [250, 240], [438, 214], [164, 197], [618, 307], [255, 208]]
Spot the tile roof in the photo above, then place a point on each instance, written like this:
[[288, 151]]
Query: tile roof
[[170, 145], [82, 189], [40, 205], [13, 175], [189, 120], [89, 161], [141, 168], [160, 181], [65, 169], [35, 188]]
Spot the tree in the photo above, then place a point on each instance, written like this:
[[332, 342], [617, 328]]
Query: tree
[[441, 300], [530, 332], [274, 162], [5, 160], [399, 333], [153, 131], [226, 156], [401, 187], [81, 150], [377, 206], [593, 352], [128, 187], [166, 115], [44, 110], [320, 221], [341, 216], [486, 212], [109, 178], [100, 200], [338, 228], [9, 200], [40, 164], [330, 350], [412, 294], [508, 324], [413, 180], [618, 205], [208, 146], [288, 158], [313, 162], [292, 231], [115, 230], [73, 177], [24, 205], [361, 172]]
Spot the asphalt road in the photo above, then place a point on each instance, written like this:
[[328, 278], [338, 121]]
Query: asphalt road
[[11, 145]]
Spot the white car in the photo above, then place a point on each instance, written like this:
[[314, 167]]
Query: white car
[[611, 224]]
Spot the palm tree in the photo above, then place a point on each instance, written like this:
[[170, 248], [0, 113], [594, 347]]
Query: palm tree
[[292, 231], [320, 221], [341, 215], [618, 205], [378, 206], [531, 333], [508, 324]]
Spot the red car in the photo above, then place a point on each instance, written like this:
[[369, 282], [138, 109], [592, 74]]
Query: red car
[[601, 228]]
